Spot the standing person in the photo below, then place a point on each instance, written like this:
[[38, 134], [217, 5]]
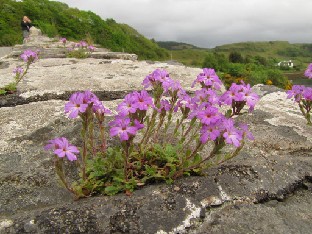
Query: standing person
[[26, 25]]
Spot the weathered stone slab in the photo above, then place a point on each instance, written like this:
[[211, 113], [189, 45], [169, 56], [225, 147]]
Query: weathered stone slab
[[58, 76], [276, 166]]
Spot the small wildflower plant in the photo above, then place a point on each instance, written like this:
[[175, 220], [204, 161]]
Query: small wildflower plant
[[63, 40], [29, 57], [80, 50], [303, 96], [161, 135]]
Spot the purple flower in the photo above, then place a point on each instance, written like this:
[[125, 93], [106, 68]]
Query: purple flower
[[127, 106], [75, 105], [29, 56], [142, 100], [18, 70], [164, 106], [231, 134], [308, 71], [233, 94], [138, 124], [209, 116], [209, 132], [156, 77], [99, 108], [208, 79], [89, 97], [122, 127], [171, 86], [245, 131], [250, 97], [204, 95], [296, 92], [240, 93], [62, 148], [91, 48], [63, 40], [307, 94], [83, 44]]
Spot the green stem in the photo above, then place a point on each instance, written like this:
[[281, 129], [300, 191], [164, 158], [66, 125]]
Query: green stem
[[218, 145], [178, 125], [150, 127], [85, 139], [24, 73], [160, 123], [234, 153], [59, 167], [103, 137], [195, 151], [91, 130], [193, 121], [126, 160]]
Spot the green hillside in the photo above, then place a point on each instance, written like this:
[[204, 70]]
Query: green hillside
[[253, 62], [173, 45], [281, 50], [57, 19], [276, 51]]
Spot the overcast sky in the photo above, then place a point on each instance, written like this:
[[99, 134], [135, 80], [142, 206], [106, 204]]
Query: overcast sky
[[208, 23]]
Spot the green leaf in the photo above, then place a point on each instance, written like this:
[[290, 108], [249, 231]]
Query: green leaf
[[2, 92], [112, 190], [197, 159]]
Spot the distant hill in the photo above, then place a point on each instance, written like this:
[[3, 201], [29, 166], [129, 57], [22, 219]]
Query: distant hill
[[277, 50], [173, 45], [57, 19]]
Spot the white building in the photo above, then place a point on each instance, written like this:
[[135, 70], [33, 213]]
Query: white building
[[288, 63]]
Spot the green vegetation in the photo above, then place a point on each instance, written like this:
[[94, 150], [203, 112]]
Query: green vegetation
[[189, 57], [173, 45], [271, 51], [252, 70], [300, 54], [9, 88], [57, 19], [253, 62]]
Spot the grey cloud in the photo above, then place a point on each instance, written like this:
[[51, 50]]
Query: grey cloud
[[208, 23]]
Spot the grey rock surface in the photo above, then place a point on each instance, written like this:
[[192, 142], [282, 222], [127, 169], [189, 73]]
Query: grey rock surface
[[106, 73], [265, 189]]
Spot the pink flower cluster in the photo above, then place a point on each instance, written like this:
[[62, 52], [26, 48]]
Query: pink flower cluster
[[300, 92], [204, 104], [18, 70], [80, 101], [61, 147], [83, 45], [157, 77], [303, 96], [204, 107], [29, 56], [128, 121], [240, 93], [63, 40], [208, 79], [91, 48], [308, 71]]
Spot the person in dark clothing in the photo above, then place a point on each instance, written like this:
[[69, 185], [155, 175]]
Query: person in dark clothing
[[26, 25]]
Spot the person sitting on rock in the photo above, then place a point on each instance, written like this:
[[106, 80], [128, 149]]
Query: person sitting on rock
[[26, 25]]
